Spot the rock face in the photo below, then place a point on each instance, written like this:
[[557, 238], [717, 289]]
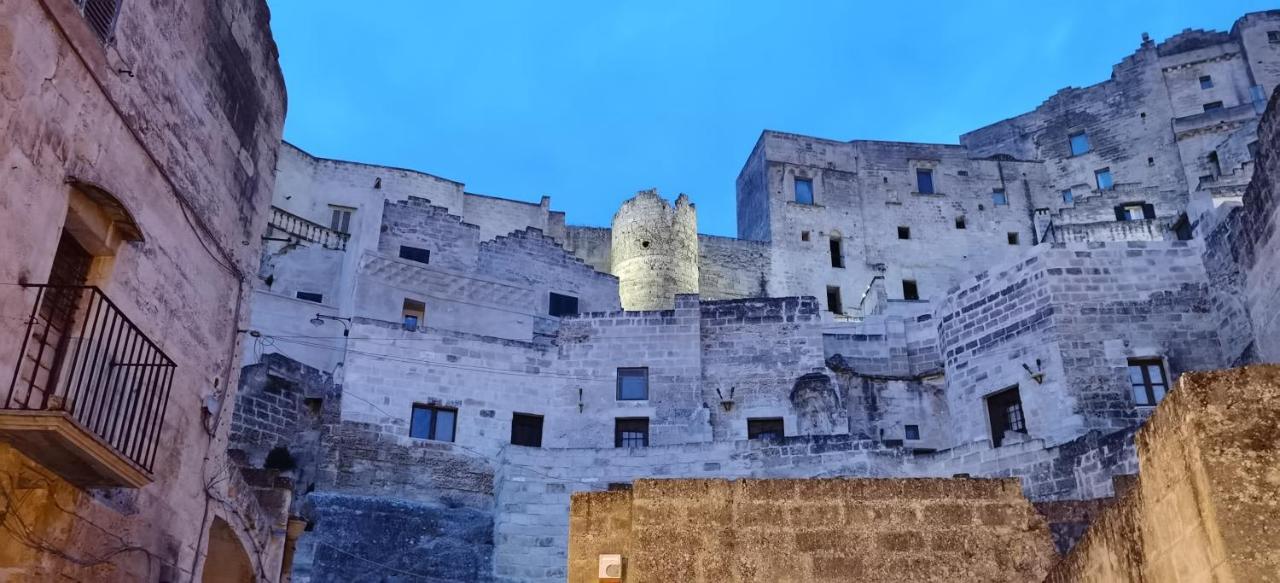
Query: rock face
[[862, 530]]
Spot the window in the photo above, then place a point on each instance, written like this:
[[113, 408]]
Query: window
[[1151, 161], [768, 429], [804, 191], [911, 432], [1079, 143], [526, 430], [1206, 82], [1146, 375], [1135, 211], [433, 422], [1212, 105], [909, 290], [631, 432], [924, 181], [415, 254], [1102, 177], [633, 384], [414, 314], [833, 300], [999, 198], [311, 297], [1182, 228], [341, 219], [1067, 197], [1005, 412], [962, 173], [1214, 163], [562, 305], [804, 235], [960, 222], [101, 16], [1273, 36], [837, 252], [1012, 238], [904, 232]]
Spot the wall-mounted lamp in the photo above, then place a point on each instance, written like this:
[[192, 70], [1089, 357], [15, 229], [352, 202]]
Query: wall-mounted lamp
[[726, 403], [320, 318], [580, 406], [1036, 375]]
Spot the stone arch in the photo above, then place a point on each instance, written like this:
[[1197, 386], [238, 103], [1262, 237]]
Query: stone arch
[[226, 560], [94, 209]]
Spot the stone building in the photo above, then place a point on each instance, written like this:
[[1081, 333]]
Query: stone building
[[441, 370], [140, 140]]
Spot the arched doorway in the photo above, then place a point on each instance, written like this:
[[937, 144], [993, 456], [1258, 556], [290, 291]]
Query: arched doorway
[[226, 561]]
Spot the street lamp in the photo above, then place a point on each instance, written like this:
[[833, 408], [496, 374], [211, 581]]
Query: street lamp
[[320, 318]]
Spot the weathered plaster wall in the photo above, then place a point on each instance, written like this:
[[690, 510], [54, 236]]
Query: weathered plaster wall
[[654, 251]]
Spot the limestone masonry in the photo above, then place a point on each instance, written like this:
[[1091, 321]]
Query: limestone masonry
[[447, 369]]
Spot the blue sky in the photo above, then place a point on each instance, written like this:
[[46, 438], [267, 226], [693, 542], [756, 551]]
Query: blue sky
[[591, 101]]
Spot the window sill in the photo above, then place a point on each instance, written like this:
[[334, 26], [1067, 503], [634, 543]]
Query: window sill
[[929, 193], [804, 204]]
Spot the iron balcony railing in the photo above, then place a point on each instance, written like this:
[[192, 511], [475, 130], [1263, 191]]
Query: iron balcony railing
[[308, 230], [80, 354]]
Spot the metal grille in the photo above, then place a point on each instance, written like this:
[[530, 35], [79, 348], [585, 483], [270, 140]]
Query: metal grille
[[81, 354], [101, 16], [631, 432]]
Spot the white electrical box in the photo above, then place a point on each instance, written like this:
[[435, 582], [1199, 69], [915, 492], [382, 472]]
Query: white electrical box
[[610, 567]]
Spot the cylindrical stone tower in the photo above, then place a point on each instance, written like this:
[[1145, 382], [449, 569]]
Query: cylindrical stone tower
[[654, 251]]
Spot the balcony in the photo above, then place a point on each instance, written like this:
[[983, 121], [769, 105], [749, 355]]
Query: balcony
[[306, 230], [88, 390]]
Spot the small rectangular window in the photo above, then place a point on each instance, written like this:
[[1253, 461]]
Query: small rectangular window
[[962, 173], [340, 221], [1206, 82], [904, 232], [311, 297], [633, 383], [960, 222], [834, 304], [909, 290], [1212, 105], [1004, 410], [631, 432], [1102, 177], [414, 313], [924, 181], [1151, 161], [1135, 211], [999, 198], [804, 235], [837, 252], [1273, 36], [1079, 143], [804, 191], [1013, 238], [433, 422], [911, 432], [1146, 376], [526, 430], [415, 254], [101, 16], [561, 305], [768, 429], [1182, 229], [1067, 197]]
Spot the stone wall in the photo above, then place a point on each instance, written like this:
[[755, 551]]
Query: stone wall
[[654, 251], [811, 530], [1204, 507]]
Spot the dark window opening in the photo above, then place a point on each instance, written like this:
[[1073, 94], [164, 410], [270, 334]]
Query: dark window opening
[[415, 254], [1273, 36], [833, 300], [1206, 82], [1005, 411], [837, 252], [101, 16], [909, 290], [904, 232], [413, 313], [433, 422], [633, 383], [1068, 197], [526, 430], [561, 305], [631, 432], [1253, 150], [804, 191], [999, 198], [1135, 211], [340, 221], [1013, 238], [1215, 164], [911, 432], [962, 173], [924, 181], [1182, 228], [1146, 376], [1102, 177], [1151, 161], [960, 223], [1079, 143], [311, 297], [768, 429], [804, 235], [1212, 105]]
